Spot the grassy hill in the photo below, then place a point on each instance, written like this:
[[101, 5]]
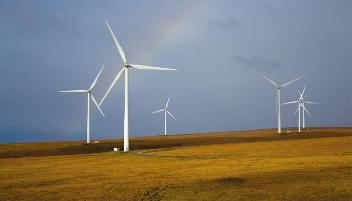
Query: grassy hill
[[153, 142], [249, 165]]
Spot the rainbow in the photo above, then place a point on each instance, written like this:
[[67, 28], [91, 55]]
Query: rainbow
[[170, 31]]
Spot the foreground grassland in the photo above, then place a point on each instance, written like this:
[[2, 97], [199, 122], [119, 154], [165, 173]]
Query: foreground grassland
[[268, 168]]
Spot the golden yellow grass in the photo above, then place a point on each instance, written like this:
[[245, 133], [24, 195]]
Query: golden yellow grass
[[153, 142], [302, 169]]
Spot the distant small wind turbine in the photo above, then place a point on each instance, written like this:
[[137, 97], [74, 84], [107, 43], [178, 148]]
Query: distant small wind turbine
[[278, 97], [90, 97], [122, 71], [166, 111], [301, 103]]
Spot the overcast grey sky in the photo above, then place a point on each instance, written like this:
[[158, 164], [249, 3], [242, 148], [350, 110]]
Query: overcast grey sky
[[217, 46]]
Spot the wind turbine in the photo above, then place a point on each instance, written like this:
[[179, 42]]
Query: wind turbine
[[301, 103], [90, 97], [278, 97], [166, 111], [124, 70], [304, 108]]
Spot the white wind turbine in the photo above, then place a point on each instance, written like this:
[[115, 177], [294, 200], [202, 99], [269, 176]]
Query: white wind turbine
[[125, 70], [166, 111], [278, 97], [90, 97], [301, 103]]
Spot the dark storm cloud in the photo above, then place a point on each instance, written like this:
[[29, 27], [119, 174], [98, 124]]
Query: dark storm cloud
[[257, 63], [36, 18], [51, 45], [228, 24]]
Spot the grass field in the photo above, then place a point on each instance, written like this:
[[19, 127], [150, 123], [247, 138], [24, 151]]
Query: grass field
[[249, 165]]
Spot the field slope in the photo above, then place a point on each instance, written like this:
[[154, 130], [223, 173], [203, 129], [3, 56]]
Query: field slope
[[36, 149], [252, 165]]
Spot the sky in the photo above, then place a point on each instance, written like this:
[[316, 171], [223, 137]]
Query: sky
[[217, 47]]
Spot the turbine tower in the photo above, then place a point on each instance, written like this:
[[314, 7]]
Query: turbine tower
[[166, 111], [301, 103], [278, 97], [89, 98], [124, 70]]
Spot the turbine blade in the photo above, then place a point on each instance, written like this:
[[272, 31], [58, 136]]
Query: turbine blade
[[75, 91], [167, 103], [272, 82], [96, 104], [290, 102], [118, 76], [297, 109], [304, 90], [118, 46], [300, 95], [304, 108], [159, 111], [290, 82], [171, 115], [96, 79], [310, 102], [143, 67]]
